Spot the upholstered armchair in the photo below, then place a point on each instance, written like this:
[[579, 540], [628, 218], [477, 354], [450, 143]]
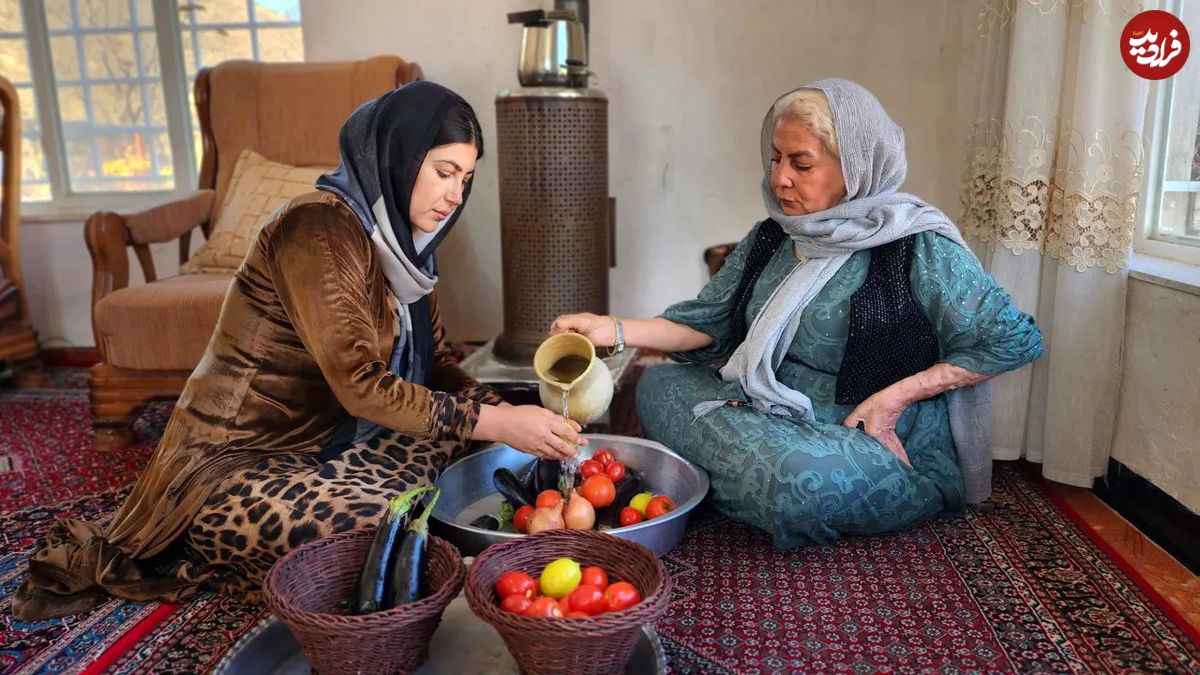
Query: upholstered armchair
[[18, 342], [151, 336]]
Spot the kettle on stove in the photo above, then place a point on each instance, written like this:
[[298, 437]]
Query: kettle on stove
[[553, 49]]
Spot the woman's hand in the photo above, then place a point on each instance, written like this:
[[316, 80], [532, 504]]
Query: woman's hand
[[599, 329], [530, 429], [878, 415], [657, 333]]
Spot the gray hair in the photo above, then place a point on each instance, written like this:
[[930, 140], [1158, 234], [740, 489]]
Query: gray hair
[[810, 107]]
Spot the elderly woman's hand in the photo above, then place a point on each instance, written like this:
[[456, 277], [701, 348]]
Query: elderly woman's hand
[[600, 330], [878, 415]]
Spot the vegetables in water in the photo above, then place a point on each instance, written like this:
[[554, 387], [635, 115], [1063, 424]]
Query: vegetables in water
[[548, 472], [520, 520], [546, 518], [640, 500], [487, 521], [599, 490], [579, 514], [610, 516], [549, 498], [508, 485]]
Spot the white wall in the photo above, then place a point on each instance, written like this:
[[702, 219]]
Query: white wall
[[1158, 423], [688, 82]]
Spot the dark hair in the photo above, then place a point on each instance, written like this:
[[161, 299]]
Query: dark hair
[[460, 126]]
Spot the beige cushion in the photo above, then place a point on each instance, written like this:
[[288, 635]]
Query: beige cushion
[[258, 187], [164, 325]]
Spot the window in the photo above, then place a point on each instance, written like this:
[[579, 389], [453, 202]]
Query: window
[[1172, 227], [106, 85]]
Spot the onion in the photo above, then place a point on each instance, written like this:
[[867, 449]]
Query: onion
[[545, 518], [579, 514]]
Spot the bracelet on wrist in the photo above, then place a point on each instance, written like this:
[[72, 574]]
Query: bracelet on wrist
[[618, 337]]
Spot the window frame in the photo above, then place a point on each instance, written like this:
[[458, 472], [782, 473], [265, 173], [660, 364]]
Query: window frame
[[1146, 238], [168, 28]]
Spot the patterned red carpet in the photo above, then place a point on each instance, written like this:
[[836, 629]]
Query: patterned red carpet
[[1021, 589], [44, 434]]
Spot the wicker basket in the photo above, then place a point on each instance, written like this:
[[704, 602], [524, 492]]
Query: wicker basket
[[598, 644], [310, 590]]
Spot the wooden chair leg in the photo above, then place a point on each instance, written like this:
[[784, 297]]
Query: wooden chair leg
[[120, 395], [114, 410], [19, 354], [28, 373], [113, 435]]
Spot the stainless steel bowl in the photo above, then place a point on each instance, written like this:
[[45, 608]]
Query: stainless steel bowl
[[467, 492]]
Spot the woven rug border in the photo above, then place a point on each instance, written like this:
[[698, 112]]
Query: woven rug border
[[1043, 485]]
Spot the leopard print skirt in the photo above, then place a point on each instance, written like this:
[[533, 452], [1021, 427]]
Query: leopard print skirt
[[257, 515]]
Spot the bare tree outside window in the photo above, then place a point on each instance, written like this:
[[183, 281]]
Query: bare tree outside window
[[219, 30], [110, 95], [111, 124]]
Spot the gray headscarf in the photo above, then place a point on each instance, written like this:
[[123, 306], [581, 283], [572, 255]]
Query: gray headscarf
[[873, 213]]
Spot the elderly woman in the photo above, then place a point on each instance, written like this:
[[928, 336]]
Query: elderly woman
[[327, 386], [846, 322]]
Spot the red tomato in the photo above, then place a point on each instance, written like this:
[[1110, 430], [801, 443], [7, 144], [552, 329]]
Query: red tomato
[[587, 599], [615, 471], [549, 499], [517, 604], [545, 607], [594, 576], [658, 506], [620, 595], [589, 468], [605, 457], [521, 518], [599, 490], [576, 615], [516, 583], [630, 516], [564, 604]]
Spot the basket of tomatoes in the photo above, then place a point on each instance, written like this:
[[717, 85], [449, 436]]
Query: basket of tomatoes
[[569, 601]]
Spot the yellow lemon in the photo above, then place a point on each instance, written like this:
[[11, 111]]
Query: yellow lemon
[[560, 577], [640, 500]]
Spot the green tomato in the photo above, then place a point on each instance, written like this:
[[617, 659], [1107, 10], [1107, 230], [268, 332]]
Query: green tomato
[[560, 577], [639, 502]]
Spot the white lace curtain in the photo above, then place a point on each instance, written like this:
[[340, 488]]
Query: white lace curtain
[[1050, 199]]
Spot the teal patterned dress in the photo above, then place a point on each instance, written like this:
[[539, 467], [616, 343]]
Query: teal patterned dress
[[813, 482]]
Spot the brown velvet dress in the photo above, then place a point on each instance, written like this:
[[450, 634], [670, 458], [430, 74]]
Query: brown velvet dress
[[302, 342]]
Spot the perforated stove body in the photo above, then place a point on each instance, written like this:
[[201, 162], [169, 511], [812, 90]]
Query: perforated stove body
[[555, 213]]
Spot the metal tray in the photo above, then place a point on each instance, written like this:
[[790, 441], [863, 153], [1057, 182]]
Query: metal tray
[[467, 492], [462, 644]]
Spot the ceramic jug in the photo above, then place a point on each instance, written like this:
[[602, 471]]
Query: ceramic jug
[[567, 366]]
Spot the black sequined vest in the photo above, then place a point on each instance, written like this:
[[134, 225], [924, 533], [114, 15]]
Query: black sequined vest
[[890, 338]]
